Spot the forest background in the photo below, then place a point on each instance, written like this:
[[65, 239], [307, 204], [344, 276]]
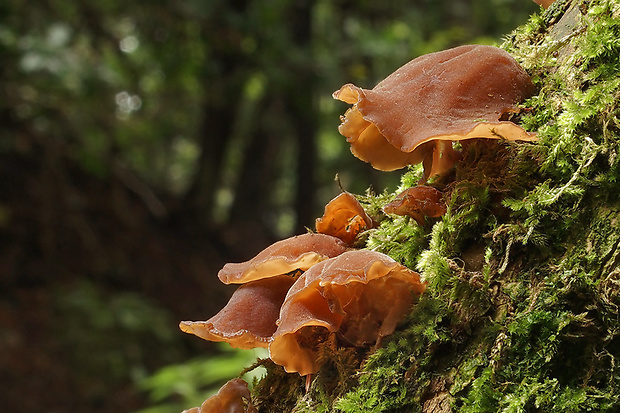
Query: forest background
[[145, 144]]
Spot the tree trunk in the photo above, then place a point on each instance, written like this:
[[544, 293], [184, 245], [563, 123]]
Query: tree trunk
[[305, 118], [223, 90], [522, 307]]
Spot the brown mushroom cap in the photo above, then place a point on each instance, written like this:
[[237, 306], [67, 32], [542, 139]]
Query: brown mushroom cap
[[360, 294], [417, 202], [343, 218], [292, 254], [455, 94], [249, 318], [232, 397]]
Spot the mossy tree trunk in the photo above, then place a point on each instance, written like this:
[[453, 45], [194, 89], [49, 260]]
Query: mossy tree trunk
[[522, 312]]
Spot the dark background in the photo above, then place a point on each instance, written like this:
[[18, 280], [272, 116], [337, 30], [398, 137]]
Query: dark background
[[144, 144]]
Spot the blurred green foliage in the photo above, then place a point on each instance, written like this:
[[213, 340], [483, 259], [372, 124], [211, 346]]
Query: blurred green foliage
[[111, 336], [142, 84], [181, 386]]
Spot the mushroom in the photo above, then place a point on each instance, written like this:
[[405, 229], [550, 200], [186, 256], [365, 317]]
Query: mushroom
[[288, 256], [232, 397], [359, 295], [249, 318], [417, 202], [413, 115], [343, 218]]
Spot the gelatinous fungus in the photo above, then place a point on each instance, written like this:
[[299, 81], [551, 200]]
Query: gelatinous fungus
[[413, 115], [417, 202], [233, 397], [544, 3], [360, 296], [290, 255], [249, 318], [343, 218]]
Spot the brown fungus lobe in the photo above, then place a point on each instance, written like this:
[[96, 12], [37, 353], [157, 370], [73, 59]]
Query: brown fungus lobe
[[545, 4], [413, 115], [417, 202], [290, 255], [343, 218], [232, 397], [360, 295], [249, 318]]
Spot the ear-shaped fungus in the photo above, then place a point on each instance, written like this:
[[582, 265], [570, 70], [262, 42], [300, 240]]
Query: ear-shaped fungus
[[233, 397], [249, 318], [544, 3], [360, 295], [417, 202], [455, 94], [343, 218], [293, 254]]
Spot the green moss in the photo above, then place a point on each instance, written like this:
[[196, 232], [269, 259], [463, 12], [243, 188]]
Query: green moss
[[277, 391], [390, 379]]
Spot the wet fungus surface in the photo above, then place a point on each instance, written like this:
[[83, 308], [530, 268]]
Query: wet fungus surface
[[249, 319], [290, 255], [343, 218], [417, 202], [413, 115], [360, 296], [232, 397]]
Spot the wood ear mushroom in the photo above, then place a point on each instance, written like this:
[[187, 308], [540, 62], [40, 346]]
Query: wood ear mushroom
[[417, 202], [414, 114], [287, 256], [343, 218]]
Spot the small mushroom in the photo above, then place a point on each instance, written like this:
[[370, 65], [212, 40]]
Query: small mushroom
[[413, 115], [417, 202], [343, 218], [249, 318], [232, 397], [359, 295], [544, 3], [288, 256]]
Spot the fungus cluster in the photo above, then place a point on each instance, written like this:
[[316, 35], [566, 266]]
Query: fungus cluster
[[249, 318], [414, 114], [308, 290], [299, 292]]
